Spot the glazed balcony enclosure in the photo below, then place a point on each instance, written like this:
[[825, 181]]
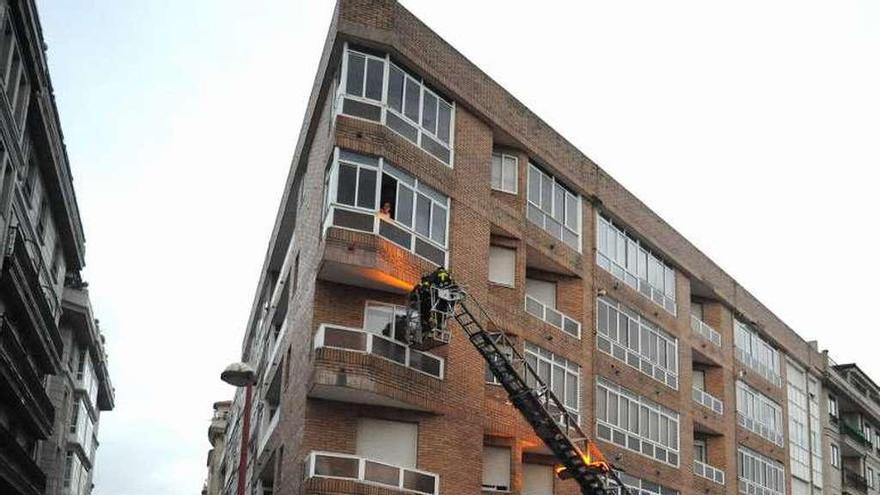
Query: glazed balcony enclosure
[[383, 227]]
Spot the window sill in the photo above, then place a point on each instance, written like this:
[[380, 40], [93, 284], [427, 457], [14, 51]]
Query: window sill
[[511, 193], [500, 285]]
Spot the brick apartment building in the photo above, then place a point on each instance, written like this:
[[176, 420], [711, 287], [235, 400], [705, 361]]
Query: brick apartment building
[[411, 157], [53, 372]]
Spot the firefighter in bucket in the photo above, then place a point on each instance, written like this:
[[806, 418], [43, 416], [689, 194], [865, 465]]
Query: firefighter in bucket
[[431, 300]]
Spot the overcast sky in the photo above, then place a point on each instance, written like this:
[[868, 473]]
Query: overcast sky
[[752, 127]]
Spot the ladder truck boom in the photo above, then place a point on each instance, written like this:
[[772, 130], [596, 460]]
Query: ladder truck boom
[[438, 299]]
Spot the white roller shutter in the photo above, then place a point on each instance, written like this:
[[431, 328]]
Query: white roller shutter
[[496, 468], [391, 442], [537, 479]]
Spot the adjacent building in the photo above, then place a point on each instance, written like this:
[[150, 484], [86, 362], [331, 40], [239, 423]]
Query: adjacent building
[[412, 157], [217, 438], [53, 371]]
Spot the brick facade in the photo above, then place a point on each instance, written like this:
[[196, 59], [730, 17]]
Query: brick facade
[[337, 271]]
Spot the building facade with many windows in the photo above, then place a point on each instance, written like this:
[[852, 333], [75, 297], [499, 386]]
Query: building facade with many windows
[[410, 157], [53, 374]]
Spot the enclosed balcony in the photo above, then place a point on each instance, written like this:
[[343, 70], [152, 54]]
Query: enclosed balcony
[[383, 227], [366, 367], [376, 89], [367, 471]]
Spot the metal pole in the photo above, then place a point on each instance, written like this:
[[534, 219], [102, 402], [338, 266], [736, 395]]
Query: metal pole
[[245, 433]]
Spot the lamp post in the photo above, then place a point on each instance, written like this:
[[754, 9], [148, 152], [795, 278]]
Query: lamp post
[[242, 375]]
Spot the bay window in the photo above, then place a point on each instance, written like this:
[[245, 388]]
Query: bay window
[[758, 413], [756, 353], [368, 194], [374, 88], [631, 262], [553, 207], [629, 337], [636, 423], [758, 473], [561, 375]]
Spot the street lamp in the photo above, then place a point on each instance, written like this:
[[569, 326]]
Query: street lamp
[[242, 375]]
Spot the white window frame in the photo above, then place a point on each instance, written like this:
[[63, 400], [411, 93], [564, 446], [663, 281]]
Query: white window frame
[[385, 107], [627, 259], [504, 172], [639, 429], [835, 455], [647, 356], [755, 352], [395, 308], [538, 208], [540, 358], [759, 474], [758, 413], [417, 187]]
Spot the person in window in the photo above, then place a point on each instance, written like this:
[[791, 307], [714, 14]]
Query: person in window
[[385, 211]]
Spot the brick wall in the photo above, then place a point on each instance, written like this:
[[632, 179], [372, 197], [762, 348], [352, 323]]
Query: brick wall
[[460, 413]]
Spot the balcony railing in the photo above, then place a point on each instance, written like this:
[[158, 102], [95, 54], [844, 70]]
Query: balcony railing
[[855, 433], [559, 320], [855, 480], [707, 400], [357, 340], [711, 473], [700, 327], [352, 467]]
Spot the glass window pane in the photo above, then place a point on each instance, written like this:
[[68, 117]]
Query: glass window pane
[[496, 171], [403, 212], [546, 193], [412, 97], [379, 319], [423, 215], [429, 112], [346, 184], [375, 77], [438, 225], [395, 88], [367, 189], [444, 120], [509, 174], [571, 390], [534, 185], [559, 203], [572, 210], [354, 82]]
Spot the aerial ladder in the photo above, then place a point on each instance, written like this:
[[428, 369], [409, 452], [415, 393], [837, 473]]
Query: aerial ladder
[[438, 299]]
